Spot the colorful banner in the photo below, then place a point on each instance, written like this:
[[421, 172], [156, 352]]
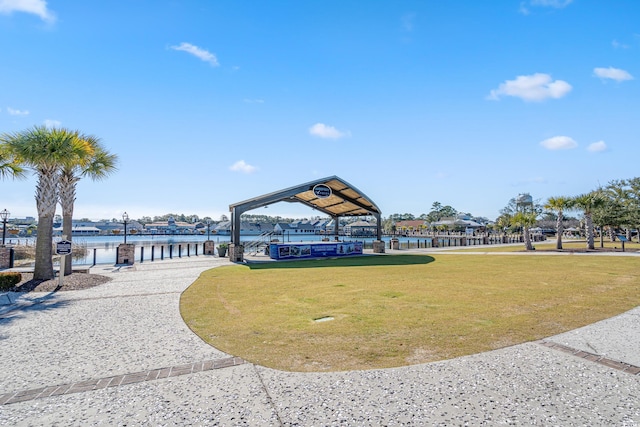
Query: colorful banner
[[313, 250]]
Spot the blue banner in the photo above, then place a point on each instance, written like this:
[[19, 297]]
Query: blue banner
[[314, 250]]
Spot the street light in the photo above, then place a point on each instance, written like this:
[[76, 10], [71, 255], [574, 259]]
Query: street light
[[125, 219], [208, 229], [5, 216]]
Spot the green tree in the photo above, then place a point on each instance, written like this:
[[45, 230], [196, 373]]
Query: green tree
[[504, 222], [45, 151], [559, 205], [94, 162], [526, 220], [615, 213], [634, 203], [587, 203]]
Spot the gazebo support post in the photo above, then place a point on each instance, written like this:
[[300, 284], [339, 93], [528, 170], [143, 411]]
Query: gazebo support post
[[378, 244], [236, 249]]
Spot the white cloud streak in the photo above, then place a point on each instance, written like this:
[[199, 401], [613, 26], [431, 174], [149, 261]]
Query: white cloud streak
[[559, 143], [35, 7], [597, 147], [536, 87], [613, 74], [242, 166], [52, 123], [198, 52], [557, 4], [324, 131], [13, 112], [408, 21]]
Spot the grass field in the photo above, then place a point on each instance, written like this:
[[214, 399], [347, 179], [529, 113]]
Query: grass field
[[395, 310], [550, 245]]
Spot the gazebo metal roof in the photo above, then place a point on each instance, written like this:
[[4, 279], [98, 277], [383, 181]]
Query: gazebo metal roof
[[343, 200]]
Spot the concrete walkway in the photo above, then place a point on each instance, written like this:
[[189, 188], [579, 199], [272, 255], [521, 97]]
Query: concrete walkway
[[120, 354]]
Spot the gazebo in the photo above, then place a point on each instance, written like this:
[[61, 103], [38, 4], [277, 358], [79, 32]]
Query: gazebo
[[332, 196]]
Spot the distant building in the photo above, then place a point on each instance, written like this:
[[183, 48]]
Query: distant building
[[361, 228], [79, 230], [171, 226], [247, 228], [415, 226]]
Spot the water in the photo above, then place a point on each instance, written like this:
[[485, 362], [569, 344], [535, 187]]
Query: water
[[103, 249]]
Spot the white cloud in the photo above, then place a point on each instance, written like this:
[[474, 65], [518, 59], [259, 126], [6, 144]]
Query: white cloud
[[36, 7], [596, 147], [613, 74], [13, 112], [617, 45], [323, 131], [199, 53], [523, 8], [558, 4], [536, 87], [408, 21], [559, 143], [52, 123], [241, 166]]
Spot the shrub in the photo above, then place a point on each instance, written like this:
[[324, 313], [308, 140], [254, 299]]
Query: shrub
[[9, 280]]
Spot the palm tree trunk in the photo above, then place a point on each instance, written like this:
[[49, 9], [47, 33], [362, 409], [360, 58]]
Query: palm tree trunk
[[527, 238], [589, 231], [67, 190], [46, 201], [43, 269], [559, 231], [66, 233]]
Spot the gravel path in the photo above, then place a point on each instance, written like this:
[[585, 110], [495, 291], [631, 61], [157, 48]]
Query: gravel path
[[130, 327]]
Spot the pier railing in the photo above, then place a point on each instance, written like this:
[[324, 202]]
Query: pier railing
[[452, 240]]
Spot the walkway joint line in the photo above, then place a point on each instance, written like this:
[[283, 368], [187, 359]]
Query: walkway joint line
[[119, 380], [592, 357]]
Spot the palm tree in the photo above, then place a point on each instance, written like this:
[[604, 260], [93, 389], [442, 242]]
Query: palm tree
[[525, 220], [45, 151], [504, 222], [559, 204], [96, 163], [587, 203], [9, 164]]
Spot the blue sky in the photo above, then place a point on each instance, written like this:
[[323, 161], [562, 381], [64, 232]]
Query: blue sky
[[209, 103]]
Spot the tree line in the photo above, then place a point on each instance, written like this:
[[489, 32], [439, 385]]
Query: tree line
[[612, 209]]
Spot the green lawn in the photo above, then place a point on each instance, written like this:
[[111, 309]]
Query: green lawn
[[550, 245], [395, 310]]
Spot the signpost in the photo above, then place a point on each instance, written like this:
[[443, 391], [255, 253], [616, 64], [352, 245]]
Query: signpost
[[622, 239], [63, 248]]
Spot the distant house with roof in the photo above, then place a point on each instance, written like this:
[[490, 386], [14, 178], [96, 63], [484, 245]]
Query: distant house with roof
[[302, 227], [461, 222], [415, 226], [247, 228], [361, 228], [171, 226]]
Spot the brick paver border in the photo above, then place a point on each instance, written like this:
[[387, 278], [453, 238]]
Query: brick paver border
[[208, 365], [615, 364], [119, 380]]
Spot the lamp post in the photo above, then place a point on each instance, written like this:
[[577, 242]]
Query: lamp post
[[5, 216], [125, 220], [208, 229]]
